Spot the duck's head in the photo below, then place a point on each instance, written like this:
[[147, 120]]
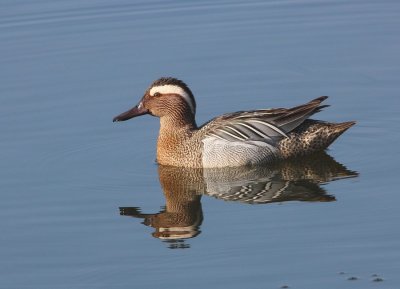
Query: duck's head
[[166, 96]]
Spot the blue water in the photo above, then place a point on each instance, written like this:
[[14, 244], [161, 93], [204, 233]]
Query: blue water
[[68, 67]]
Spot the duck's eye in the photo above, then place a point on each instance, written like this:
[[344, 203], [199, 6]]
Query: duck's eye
[[157, 94]]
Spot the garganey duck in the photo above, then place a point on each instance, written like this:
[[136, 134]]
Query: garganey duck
[[233, 139]]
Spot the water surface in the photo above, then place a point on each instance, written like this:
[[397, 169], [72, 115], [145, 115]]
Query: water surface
[[67, 171]]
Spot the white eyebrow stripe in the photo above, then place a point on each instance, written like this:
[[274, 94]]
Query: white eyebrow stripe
[[173, 89]]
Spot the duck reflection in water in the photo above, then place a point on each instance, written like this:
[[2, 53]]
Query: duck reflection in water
[[292, 180]]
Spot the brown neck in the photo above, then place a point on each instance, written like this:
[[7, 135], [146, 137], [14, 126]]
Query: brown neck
[[176, 121], [175, 130]]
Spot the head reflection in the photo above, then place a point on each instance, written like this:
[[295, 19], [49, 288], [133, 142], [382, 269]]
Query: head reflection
[[295, 180]]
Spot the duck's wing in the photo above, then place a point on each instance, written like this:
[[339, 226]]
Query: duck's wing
[[267, 125]]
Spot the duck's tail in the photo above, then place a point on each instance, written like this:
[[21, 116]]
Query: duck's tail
[[312, 136]]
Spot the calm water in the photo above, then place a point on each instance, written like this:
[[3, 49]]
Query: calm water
[[68, 172]]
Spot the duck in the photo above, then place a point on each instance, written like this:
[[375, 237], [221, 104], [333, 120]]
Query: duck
[[243, 138]]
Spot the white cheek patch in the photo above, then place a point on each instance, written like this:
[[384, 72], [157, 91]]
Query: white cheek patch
[[173, 89]]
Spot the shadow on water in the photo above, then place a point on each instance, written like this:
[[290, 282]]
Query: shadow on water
[[293, 180]]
